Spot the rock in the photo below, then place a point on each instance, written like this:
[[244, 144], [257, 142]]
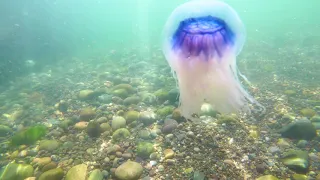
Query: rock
[[105, 127], [62, 106], [144, 134], [118, 122], [197, 175], [144, 149], [227, 119], [307, 112], [105, 98], [129, 171], [96, 175], [87, 114], [207, 110], [41, 162], [173, 95], [120, 93], [299, 177], [315, 120], [165, 111], [126, 87], [168, 153], [49, 145], [4, 130], [131, 116], [77, 172], [148, 98], [127, 155], [162, 95], [176, 115], [301, 129], [169, 126], [53, 174], [30, 178], [86, 94], [120, 134], [302, 143], [131, 100], [290, 92], [283, 143], [93, 129], [267, 177], [147, 117], [102, 120], [296, 160], [14, 154], [14, 171], [49, 166], [81, 125]]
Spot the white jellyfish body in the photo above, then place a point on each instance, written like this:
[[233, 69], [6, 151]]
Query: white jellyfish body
[[201, 41]]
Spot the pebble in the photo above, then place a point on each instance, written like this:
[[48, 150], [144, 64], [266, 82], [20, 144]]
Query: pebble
[[107, 160], [190, 134], [169, 136], [168, 153], [170, 161], [196, 149], [153, 163], [126, 155], [160, 168], [119, 154]]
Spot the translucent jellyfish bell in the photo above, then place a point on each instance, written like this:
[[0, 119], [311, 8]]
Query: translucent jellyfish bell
[[201, 41]]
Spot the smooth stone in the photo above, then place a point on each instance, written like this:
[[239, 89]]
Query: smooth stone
[[4, 130], [77, 172], [131, 116], [14, 171], [296, 160], [302, 129], [49, 166], [53, 174], [131, 100], [93, 129], [86, 94], [168, 153], [120, 134], [207, 110], [144, 149], [86, 114], [81, 125], [96, 175], [147, 117], [48, 145], [41, 162], [118, 122], [129, 171], [105, 127], [144, 134], [267, 177], [299, 177]]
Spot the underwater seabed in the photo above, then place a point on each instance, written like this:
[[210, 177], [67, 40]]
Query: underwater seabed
[[115, 113], [105, 121]]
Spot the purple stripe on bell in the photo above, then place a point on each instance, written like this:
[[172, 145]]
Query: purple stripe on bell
[[208, 35]]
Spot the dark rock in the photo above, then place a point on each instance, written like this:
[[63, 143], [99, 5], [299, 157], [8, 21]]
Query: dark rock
[[173, 95], [301, 129], [296, 160], [169, 126], [93, 129]]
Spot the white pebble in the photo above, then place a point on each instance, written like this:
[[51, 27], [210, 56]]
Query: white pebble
[[196, 149]]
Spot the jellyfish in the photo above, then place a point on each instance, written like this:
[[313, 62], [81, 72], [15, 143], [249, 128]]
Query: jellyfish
[[201, 40]]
